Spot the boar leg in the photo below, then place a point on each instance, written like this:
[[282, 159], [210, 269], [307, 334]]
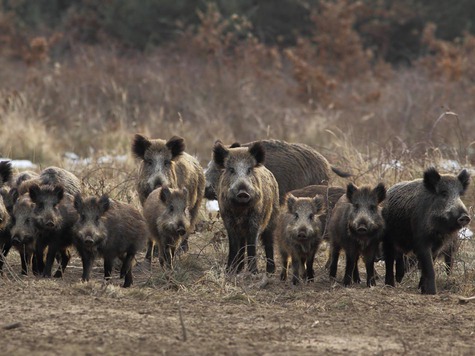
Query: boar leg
[[427, 272], [65, 257], [126, 270], [369, 258], [50, 256], [87, 261], [25, 257], [236, 252], [3, 255], [108, 263], [334, 255], [268, 242], [148, 254], [389, 262], [309, 262], [349, 269], [356, 272], [296, 263], [39, 253], [285, 264], [400, 267], [251, 256]]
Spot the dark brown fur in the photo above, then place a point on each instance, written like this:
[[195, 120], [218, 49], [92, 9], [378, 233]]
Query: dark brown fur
[[249, 203], [356, 226], [299, 234], [5, 206], [168, 219], [53, 176], [294, 166], [110, 229], [54, 216], [423, 216]]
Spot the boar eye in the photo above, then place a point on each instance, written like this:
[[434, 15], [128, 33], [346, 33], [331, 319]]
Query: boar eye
[[27, 221], [82, 217], [148, 162], [444, 193], [311, 216], [296, 216], [231, 170], [357, 206], [171, 208], [167, 163], [372, 207], [249, 170]]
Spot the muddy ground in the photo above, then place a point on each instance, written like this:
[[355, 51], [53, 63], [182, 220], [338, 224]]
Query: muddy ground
[[196, 309]]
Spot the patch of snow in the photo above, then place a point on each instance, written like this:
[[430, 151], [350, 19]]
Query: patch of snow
[[450, 165], [393, 164], [212, 205], [465, 234], [110, 159], [20, 163]]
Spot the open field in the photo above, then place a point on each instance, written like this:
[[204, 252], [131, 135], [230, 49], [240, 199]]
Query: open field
[[197, 309]]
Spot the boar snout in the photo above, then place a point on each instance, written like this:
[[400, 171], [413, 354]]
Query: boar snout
[[50, 224], [302, 233], [243, 197], [181, 230], [16, 240], [88, 240], [463, 220]]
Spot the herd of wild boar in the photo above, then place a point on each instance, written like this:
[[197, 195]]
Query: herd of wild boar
[[270, 190]]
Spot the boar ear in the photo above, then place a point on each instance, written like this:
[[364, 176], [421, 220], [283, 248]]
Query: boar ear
[[34, 190], [318, 202], [380, 191], [350, 190], [59, 192], [176, 145], [140, 144], [219, 154], [78, 202], [431, 178], [235, 145], [290, 199], [165, 194], [14, 195], [258, 151], [464, 178], [5, 171], [104, 203]]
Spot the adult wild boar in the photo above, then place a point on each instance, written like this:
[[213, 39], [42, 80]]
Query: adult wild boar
[[294, 166], [168, 219], [52, 176], [423, 216], [167, 163], [356, 226], [110, 229], [299, 234], [249, 203], [54, 216]]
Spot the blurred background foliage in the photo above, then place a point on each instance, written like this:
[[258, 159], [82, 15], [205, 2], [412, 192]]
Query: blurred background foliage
[[391, 28]]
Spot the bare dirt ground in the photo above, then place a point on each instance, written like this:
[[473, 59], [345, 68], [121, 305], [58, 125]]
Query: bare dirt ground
[[196, 309]]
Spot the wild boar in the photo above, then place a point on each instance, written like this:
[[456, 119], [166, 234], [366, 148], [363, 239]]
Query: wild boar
[[54, 216], [249, 203], [356, 226], [299, 235], [294, 166], [168, 218], [167, 163], [423, 216], [110, 229]]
